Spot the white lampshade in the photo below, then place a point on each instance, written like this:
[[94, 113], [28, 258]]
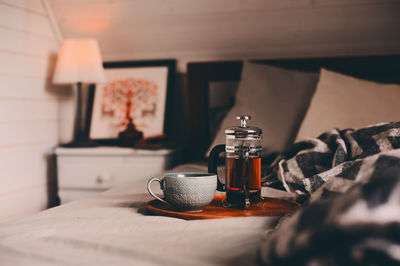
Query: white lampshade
[[79, 60]]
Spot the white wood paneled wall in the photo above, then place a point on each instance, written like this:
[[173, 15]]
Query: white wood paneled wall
[[192, 30], [29, 112]]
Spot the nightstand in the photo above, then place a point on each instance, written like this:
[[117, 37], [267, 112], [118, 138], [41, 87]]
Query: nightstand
[[84, 171]]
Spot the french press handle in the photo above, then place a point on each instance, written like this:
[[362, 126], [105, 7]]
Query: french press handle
[[213, 164]]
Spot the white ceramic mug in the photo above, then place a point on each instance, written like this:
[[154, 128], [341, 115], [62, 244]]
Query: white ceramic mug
[[186, 191]]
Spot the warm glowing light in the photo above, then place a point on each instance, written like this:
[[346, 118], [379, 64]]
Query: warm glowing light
[[93, 26], [93, 20]]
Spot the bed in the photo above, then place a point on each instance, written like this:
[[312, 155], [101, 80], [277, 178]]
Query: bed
[[114, 228]]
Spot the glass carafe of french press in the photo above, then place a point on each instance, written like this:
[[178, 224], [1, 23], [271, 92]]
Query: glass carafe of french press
[[242, 164]]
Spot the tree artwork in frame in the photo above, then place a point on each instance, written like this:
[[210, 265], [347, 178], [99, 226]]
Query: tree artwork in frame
[[134, 90]]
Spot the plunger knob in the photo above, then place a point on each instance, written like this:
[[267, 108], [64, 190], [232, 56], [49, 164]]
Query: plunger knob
[[243, 120]]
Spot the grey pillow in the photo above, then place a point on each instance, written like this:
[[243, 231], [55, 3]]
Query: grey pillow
[[276, 99]]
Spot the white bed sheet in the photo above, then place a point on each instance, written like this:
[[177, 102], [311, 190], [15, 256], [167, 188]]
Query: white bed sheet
[[111, 228]]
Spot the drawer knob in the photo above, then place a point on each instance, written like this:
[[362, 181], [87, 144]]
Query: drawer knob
[[100, 179]]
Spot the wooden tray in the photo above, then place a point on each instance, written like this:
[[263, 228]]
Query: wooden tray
[[268, 207]]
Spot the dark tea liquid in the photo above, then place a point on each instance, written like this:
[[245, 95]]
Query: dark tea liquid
[[236, 181]]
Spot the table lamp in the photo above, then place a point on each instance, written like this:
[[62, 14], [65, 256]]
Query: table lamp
[[79, 61]]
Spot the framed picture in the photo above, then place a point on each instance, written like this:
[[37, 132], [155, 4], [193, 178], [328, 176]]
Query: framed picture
[[133, 90]]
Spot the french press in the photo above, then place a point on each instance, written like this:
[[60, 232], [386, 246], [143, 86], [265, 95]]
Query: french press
[[242, 164]]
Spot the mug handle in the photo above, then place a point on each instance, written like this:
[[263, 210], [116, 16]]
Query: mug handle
[[212, 164], [151, 192]]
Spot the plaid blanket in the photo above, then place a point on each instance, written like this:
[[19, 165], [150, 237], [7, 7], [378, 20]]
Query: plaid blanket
[[335, 161], [359, 227]]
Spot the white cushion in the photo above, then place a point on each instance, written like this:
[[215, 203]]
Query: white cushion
[[342, 101]]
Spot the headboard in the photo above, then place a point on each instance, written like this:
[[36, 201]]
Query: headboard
[[377, 68]]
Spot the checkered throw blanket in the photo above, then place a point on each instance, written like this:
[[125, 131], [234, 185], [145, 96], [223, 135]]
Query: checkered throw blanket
[[335, 161], [359, 227]]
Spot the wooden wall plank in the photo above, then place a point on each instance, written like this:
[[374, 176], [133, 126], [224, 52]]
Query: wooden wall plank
[[32, 159], [27, 201], [29, 5], [35, 88], [26, 66], [28, 44], [19, 19], [28, 110], [26, 133]]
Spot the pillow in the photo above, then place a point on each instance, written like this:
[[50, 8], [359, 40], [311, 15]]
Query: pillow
[[275, 98], [342, 101]]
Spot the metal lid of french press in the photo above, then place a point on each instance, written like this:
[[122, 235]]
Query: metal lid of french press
[[244, 131]]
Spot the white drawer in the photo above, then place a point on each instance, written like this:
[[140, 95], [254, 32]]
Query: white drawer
[[103, 172]]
